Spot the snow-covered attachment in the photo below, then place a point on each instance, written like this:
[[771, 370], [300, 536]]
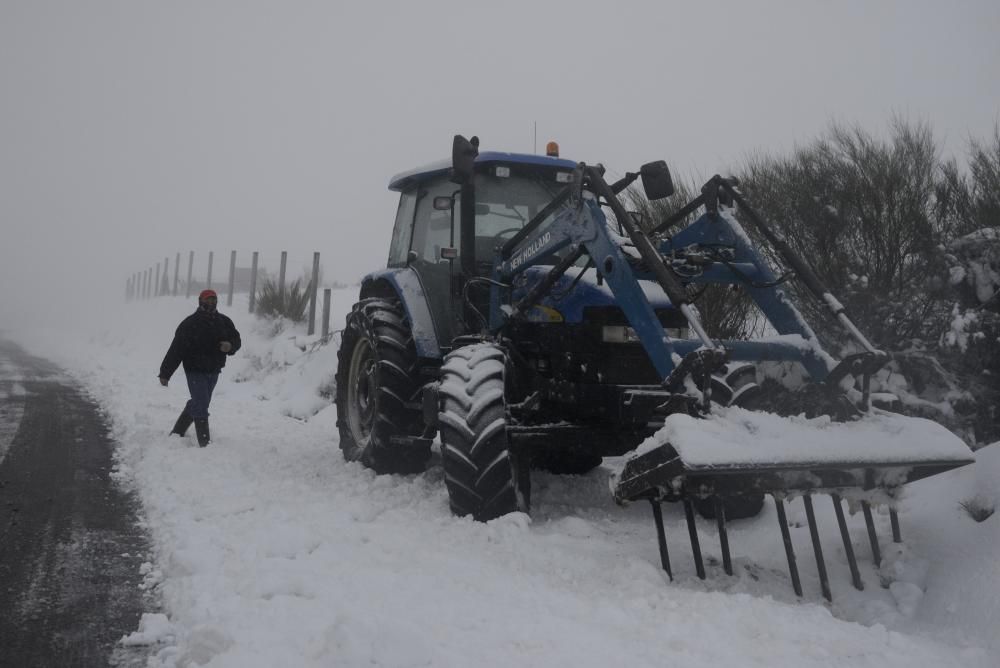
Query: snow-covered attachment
[[734, 452]]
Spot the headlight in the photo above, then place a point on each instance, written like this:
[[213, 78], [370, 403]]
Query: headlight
[[626, 334], [618, 334], [539, 313]]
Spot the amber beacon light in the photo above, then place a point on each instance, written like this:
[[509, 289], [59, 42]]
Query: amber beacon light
[[552, 149]]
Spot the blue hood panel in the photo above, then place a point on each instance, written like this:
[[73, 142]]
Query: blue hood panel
[[586, 292]]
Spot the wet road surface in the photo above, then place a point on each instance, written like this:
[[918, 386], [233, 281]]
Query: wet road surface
[[70, 543]]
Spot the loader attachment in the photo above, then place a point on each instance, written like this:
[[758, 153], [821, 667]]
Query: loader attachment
[[720, 442], [734, 453]]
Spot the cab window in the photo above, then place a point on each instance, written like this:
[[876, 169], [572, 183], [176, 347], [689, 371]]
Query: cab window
[[505, 204], [432, 228], [403, 230]]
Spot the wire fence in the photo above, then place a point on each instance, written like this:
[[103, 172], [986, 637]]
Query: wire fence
[[155, 281]]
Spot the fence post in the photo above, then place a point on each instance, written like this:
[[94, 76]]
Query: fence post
[[145, 284], [156, 285], [253, 281], [314, 289], [326, 313], [187, 288], [232, 277], [177, 269], [281, 277], [165, 285], [208, 280]]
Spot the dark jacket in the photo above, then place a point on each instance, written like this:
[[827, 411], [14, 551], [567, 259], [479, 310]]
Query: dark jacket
[[196, 343]]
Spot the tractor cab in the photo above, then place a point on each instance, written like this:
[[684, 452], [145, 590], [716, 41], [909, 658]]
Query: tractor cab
[[449, 232]]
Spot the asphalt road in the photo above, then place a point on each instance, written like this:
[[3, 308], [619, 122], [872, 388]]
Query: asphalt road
[[70, 543]]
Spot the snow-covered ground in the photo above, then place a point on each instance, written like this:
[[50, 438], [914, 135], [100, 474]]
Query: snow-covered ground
[[271, 550]]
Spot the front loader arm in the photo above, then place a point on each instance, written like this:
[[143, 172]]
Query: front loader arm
[[583, 228], [580, 229]]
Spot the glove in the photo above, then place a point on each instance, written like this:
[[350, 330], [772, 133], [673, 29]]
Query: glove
[[164, 381], [225, 346]]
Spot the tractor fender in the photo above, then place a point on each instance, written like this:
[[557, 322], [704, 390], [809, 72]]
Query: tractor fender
[[402, 283]]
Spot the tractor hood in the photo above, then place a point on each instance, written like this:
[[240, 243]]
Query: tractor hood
[[584, 294]]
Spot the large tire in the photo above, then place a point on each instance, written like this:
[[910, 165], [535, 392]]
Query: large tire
[[485, 478], [378, 389]]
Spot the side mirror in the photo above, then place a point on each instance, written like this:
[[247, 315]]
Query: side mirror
[[656, 181], [463, 158], [443, 203]]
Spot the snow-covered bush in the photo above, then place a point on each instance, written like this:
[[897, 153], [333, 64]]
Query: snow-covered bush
[[970, 345]]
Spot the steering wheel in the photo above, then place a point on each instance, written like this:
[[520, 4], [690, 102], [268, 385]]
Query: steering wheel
[[498, 236]]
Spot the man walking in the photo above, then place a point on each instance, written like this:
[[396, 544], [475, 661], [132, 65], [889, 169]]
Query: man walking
[[201, 343]]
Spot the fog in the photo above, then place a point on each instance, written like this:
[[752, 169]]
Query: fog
[[130, 131]]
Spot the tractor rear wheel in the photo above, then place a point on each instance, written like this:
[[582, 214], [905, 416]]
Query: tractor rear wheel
[[485, 477], [378, 389]]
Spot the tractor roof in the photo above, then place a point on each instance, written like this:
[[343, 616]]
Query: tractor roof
[[404, 180]]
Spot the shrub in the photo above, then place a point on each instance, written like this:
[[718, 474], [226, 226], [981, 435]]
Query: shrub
[[979, 507], [290, 304]]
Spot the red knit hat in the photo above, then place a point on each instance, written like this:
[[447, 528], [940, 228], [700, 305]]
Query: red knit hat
[[205, 294]]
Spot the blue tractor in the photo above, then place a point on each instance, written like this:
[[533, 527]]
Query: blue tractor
[[528, 329]]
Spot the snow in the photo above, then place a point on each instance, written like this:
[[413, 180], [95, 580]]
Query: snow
[[154, 627], [961, 324], [736, 436], [981, 264], [270, 549]]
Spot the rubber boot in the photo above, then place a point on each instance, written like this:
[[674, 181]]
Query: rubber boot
[[201, 429], [183, 422]]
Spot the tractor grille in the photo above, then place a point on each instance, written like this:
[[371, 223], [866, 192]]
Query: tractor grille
[[577, 353], [624, 363]]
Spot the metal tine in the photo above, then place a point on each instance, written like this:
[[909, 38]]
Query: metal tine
[[693, 531], [661, 537], [720, 518], [793, 569], [824, 581], [848, 547], [894, 519], [866, 508]]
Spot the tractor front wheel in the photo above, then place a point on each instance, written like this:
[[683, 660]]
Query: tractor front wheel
[[485, 477]]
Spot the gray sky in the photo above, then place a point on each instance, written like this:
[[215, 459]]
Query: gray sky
[[132, 130]]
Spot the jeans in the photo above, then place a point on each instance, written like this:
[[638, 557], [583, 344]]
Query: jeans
[[201, 384]]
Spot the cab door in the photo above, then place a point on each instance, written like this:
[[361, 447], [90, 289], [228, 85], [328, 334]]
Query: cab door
[[435, 229]]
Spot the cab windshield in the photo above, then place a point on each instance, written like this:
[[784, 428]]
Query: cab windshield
[[505, 204]]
